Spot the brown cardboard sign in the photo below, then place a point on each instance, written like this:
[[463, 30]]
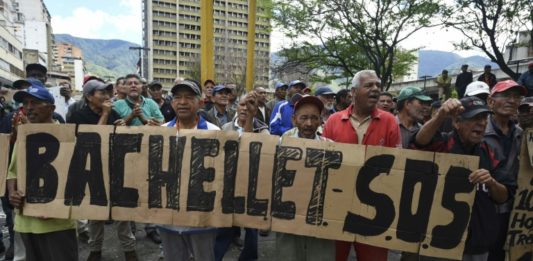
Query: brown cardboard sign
[[4, 158], [520, 232], [399, 199]]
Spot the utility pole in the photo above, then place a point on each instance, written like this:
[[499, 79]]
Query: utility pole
[[140, 49]]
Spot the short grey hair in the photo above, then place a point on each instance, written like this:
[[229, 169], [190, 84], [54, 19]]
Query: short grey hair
[[356, 81]]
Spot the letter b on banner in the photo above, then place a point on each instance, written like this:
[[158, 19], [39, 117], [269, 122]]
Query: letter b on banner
[[39, 168]]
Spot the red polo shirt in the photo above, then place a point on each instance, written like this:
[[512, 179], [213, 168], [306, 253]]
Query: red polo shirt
[[382, 131]]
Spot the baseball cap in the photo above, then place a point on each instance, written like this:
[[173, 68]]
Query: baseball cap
[[36, 66], [502, 86], [96, 85], [297, 82], [219, 88], [186, 84], [154, 84], [477, 87], [24, 83], [281, 85], [324, 90], [36, 91], [299, 100], [413, 92], [436, 104], [526, 103], [87, 78], [473, 106]]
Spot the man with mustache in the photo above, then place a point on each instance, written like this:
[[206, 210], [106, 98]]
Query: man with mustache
[[363, 123], [327, 96], [44, 238], [467, 138], [505, 136]]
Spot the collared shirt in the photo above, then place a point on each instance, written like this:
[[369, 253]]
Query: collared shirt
[[296, 134], [221, 117], [149, 108], [408, 133], [383, 130], [360, 126], [257, 125]]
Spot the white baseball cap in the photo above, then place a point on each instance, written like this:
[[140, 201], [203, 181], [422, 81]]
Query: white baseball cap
[[477, 87]]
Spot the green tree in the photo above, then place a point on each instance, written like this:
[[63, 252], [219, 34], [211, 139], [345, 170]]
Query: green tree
[[352, 35], [490, 26]]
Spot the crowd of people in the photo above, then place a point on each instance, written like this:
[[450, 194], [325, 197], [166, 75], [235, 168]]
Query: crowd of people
[[486, 120]]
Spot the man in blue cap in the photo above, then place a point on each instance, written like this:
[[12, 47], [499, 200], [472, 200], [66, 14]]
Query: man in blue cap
[[44, 238], [327, 96], [279, 95], [281, 118], [221, 113]]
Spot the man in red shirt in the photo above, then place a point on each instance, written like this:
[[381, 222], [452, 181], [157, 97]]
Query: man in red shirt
[[363, 123]]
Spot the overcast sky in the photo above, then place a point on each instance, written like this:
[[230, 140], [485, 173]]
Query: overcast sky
[[122, 19]]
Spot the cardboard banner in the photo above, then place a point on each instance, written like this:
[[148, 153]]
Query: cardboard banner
[[520, 233], [399, 199], [4, 159]]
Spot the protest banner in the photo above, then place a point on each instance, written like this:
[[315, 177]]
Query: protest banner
[[399, 199], [4, 158], [520, 233]]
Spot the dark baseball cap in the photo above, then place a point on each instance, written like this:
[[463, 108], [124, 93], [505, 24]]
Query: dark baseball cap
[[324, 90], [96, 85], [36, 91], [221, 87], [281, 85], [36, 66], [473, 106], [155, 84], [187, 84], [25, 83], [297, 82], [526, 103]]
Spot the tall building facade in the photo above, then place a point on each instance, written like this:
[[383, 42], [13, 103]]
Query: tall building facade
[[11, 48], [37, 26], [64, 55], [171, 31]]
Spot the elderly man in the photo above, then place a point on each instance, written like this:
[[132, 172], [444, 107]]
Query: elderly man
[[467, 138], [136, 109], [44, 238], [280, 120], [221, 113], [525, 113], [363, 123], [503, 134], [307, 119], [410, 112], [327, 96], [188, 243]]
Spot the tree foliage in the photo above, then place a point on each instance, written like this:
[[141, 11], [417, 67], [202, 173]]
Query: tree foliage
[[354, 35], [490, 26]]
